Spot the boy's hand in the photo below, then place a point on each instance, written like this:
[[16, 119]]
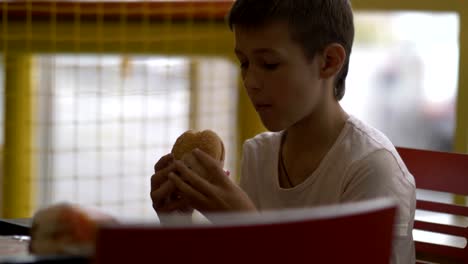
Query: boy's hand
[[202, 181], [163, 192]]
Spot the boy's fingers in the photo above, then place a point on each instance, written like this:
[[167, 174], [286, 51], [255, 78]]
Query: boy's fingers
[[173, 205], [192, 163], [160, 176], [212, 166], [159, 195], [195, 180], [195, 198], [163, 162]]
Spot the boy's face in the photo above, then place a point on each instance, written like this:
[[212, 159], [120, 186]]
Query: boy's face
[[283, 84]]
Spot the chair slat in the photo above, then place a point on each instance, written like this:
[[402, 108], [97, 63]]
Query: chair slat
[[438, 171], [441, 250], [442, 172], [442, 208], [343, 236], [439, 228]]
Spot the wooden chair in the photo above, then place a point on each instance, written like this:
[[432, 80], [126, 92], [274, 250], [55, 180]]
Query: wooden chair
[[358, 232], [441, 172]]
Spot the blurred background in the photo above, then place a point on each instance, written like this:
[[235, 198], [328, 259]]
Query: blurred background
[[93, 93]]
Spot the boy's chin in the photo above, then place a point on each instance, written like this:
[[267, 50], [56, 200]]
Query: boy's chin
[[273, 127]]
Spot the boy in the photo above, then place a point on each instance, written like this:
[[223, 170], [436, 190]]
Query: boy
[[294, 57]]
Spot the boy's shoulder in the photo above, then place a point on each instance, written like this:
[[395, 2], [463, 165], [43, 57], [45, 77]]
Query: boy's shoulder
[[357, 140], [266, 141], [267, 136], [362, 140]]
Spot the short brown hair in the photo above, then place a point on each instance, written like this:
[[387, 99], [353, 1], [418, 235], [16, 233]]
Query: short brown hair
[[314, 24]]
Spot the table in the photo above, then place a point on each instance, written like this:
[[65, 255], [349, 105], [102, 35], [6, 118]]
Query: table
[[14, 237]]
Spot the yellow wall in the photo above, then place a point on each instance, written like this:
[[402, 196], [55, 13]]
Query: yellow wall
[[18, 189]]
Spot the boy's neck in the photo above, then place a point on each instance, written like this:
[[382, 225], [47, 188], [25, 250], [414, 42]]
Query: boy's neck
[[317, 132], [308, 141]]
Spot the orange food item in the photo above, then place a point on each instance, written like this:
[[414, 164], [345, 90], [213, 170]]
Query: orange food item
[[206, 140], [65, 229]]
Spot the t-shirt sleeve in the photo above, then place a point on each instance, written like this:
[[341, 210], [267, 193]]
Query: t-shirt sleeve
[[247, 180], [379, 175], [370, 177]]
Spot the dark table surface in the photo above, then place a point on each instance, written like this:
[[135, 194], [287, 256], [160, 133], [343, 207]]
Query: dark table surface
[[14, 240], [18, 226]]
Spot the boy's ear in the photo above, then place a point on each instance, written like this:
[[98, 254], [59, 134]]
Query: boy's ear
[[333, 58]]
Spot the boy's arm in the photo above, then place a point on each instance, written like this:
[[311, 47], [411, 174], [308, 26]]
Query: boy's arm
[[380, 175], [246, 182], [175, 218]]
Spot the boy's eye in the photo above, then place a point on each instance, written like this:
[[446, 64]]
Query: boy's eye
[[271, 66]]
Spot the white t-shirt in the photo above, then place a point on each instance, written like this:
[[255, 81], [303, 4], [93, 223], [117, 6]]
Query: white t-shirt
[[362, 164]]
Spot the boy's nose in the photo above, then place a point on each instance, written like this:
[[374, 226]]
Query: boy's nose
[[251, 80]]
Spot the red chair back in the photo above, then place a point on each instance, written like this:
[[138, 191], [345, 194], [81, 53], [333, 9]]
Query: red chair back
[[349, 233], [442, 172]]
